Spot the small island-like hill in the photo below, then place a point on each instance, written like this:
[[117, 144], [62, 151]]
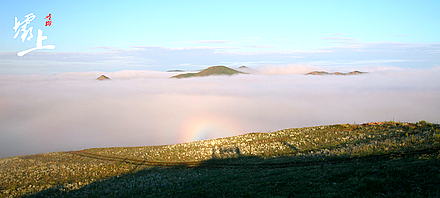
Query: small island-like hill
[[214, 70], [335, 73], [103, 77]]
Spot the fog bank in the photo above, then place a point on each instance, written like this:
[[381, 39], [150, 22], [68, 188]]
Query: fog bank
[[72, 111]]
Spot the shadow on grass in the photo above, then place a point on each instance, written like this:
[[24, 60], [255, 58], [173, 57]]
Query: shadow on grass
[[294, 173], [230, 174]]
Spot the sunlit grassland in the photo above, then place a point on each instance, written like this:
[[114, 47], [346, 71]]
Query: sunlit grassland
[[377, 159]]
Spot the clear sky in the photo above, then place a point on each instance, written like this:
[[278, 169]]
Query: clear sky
[[166, 34]]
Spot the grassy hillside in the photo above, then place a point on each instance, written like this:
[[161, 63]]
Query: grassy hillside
[[214, 70], [390, 159]]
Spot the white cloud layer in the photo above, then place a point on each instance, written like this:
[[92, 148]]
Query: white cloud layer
[[72, 111], [287, 69]]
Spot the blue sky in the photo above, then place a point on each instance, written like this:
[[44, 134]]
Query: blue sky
[[162, 35]]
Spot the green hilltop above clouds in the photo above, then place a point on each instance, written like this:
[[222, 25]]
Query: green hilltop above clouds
[[335, 73], [223, 70], [214, 70]]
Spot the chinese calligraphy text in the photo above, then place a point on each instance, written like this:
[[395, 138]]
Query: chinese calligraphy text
[[22, 27], [49, 20]]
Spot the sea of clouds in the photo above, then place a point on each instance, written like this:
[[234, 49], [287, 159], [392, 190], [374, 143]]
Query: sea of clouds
[[73, 111]]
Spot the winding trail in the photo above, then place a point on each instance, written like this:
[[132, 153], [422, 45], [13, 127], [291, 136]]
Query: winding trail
[[218, 163]]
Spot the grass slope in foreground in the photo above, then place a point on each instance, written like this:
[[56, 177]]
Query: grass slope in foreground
[[214, 70], [389, 159]]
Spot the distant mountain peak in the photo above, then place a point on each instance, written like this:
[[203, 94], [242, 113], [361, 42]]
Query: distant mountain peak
[[103, 77], [335, 73], [175, 70], [210, 71]]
